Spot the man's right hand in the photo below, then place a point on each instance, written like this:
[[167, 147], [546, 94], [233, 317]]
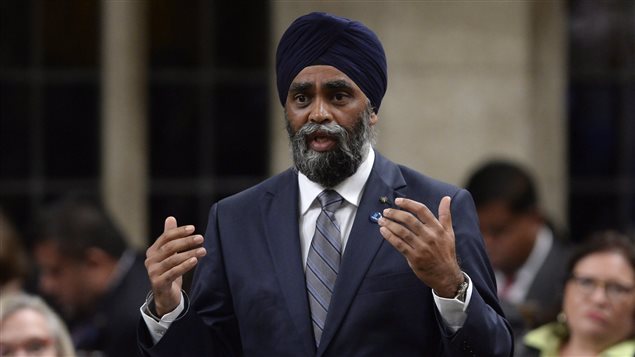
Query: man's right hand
[[173, 254]]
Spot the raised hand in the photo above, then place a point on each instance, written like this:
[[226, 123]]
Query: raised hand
[[173, 254], [426, 242]]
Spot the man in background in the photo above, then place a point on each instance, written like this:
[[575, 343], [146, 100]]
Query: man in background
[[91, 275], [527, 256]]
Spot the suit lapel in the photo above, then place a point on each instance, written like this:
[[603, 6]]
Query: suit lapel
[[280, 211], [363, 243]]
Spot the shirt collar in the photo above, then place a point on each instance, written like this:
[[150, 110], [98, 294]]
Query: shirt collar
[[350, 189], [539, 253]]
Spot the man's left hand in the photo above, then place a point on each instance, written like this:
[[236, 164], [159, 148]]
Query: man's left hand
[[426, 242]]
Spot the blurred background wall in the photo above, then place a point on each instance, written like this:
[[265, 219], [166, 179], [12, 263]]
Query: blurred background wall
[[163, 107]]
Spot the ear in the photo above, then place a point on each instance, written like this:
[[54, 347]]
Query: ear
[[374, 119]]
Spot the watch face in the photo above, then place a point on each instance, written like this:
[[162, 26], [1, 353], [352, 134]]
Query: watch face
[[462, 290]]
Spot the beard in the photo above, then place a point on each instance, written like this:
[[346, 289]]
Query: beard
[[331, 167]]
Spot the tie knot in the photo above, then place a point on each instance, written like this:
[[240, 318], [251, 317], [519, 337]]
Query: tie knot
[[330, 200]]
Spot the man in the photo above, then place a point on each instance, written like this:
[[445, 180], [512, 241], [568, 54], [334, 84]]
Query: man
[[304, 264], [92, 276], [528, 260]]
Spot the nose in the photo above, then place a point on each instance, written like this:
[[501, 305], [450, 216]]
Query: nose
[[599, 294], [21, 353], [320, 113]]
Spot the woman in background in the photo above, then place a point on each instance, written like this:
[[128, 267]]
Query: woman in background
[[28, 327], [598, 317]]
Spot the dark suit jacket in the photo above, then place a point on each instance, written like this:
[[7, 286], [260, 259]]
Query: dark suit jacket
[[249, 295]]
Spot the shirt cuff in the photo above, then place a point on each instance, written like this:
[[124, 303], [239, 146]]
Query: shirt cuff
[[157, 327], [453, 311]]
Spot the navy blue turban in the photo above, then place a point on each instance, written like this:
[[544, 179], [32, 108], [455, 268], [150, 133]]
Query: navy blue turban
[[324, 39]]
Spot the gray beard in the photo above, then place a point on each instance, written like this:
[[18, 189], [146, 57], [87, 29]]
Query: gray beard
[[334, 166]]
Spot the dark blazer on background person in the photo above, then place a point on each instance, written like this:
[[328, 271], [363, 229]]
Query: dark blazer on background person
[[112, 329], [543, 300], [249, 293], [545, 291]]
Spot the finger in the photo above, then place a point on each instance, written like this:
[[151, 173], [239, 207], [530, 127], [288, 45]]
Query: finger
[[418, 209], [404, 218], [396, 231], [402, 246], [159, 269], [170, 232], [169, 223], [445, 214], [164, 248], [179, 246], [174, 273], [180, 258], [410, 220], [174, 233]]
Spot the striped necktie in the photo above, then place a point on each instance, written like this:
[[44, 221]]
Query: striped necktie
[[323, 260]]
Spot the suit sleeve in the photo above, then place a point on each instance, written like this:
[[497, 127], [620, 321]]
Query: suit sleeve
[[208, 326], [485, 332]]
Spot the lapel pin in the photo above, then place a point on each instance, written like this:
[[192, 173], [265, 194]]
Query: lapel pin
[[384, 200], [375, 217]]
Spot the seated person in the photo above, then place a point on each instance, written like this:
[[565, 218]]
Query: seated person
[[598, 310], [28, 327], [92, 275], [527, 255]]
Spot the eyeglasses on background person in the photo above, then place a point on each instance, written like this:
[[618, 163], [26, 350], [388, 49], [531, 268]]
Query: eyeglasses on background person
[[614, 291]]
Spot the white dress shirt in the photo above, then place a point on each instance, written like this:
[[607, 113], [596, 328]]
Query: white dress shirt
[[351, 189], [516, 291]]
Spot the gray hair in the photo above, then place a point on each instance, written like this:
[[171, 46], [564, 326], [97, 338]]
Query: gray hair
[[14, 302], [332, 167]]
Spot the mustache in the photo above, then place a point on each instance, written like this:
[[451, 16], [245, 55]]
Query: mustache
[[332, 129]]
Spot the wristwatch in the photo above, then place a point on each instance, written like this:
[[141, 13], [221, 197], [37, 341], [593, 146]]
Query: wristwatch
[[461, 291]]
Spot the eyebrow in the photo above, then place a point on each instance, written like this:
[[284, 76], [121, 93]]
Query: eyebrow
[[338, 84], [299, 87]]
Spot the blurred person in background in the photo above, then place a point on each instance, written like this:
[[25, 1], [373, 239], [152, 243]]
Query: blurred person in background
[[598, 309], [14, 267], [29, 327], [527, 256], [92, 275]]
